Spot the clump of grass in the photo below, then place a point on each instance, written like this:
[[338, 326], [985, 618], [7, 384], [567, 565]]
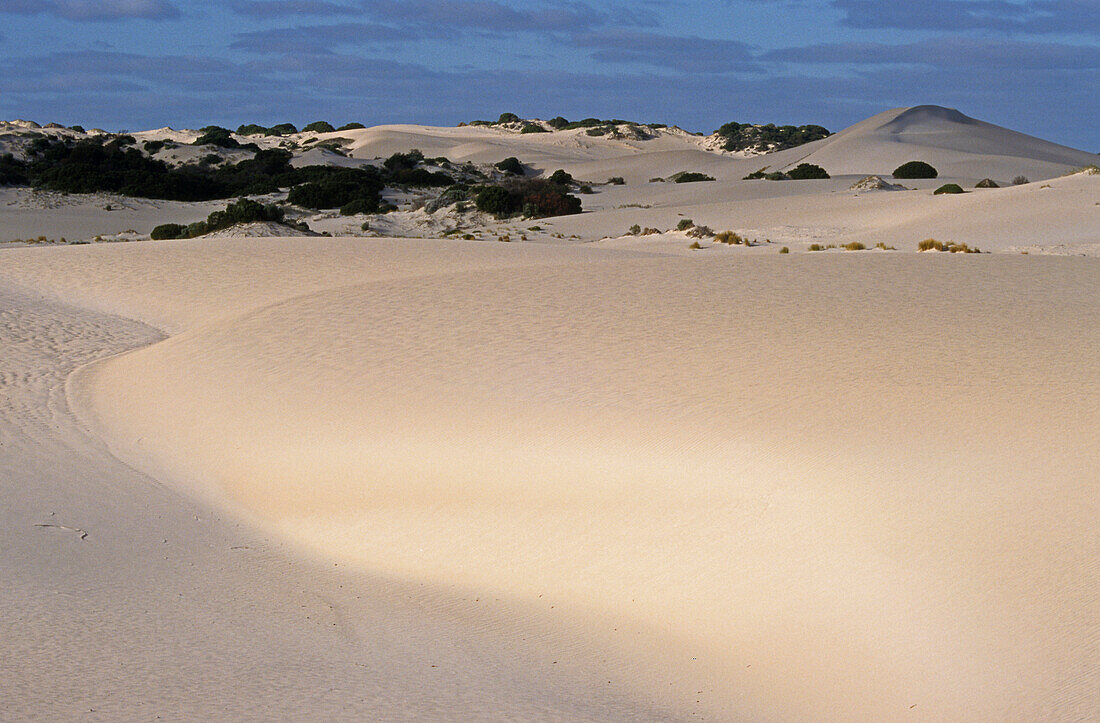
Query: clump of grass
[[932, 244], [854, 246], [784, 250], [884, 247], [616, 181], [700, 232], [816, 247], [729, 238], [685, 224], [695, 245], [649, 231]]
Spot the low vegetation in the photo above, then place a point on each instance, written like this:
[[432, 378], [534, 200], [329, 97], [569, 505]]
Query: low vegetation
[[932, 244], [532, 198], [987, 183], [243, 211], [807, 171], [684, 224], [915, 169], [510, 165], [768, 138], [689, 177], [948, 188], [1020, 181]]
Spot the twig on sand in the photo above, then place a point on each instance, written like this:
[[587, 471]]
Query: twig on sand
[[83, 533]]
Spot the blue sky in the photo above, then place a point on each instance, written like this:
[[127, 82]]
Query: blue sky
[[1030, 65]]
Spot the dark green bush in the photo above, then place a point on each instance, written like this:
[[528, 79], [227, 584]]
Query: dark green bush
[[987, 183], [351, 126], [508, 118], [742, 136], [282, 129], [561, 178], [403, 161], [616, 181], [534, 198], [153, 146], [557, 123], [78, 129], [12, 171], [533, 128], [252, 130], [915, 169], [337, 187], [319, 127], [510, 165], [948, 188], [807, 171], [691, 177], [167, 231], [359, 205], [217, 136]]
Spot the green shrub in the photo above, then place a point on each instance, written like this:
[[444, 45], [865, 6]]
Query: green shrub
[[319, 127], [784, 250], [695, 245], [533, 128], [510, 165], [948, 188], [685, 224], [561, 178], [816, 247], [1019, 181], [690, 177], [635, 230], [755, 175], [743, 136], [78, 129], [616, 181], [351, 127], [807, 171], [216, 136], [252, 130], [987, 183], [167, 231], [282, 129], [915, 169], [152, 147], [508, 118], [557, 123], [358, 206], [534, 198]]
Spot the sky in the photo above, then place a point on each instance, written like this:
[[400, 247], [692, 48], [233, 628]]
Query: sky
[[1030, 65]]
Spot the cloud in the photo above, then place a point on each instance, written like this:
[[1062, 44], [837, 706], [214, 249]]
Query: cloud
[[1036, 16], [493, 16], [284, 8], [948, 52], [687, 54], [94, 10], [318, 39]]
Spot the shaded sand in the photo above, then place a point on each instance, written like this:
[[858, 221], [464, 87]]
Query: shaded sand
[[124, 600], [822, 486]]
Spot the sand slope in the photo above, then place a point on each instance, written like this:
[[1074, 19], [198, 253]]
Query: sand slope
[[786, 487], [124, 599]]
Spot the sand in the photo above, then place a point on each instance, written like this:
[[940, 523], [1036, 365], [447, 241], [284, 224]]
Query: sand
[[593, 477]]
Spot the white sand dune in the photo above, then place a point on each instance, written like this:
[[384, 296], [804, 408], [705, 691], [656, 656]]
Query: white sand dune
[[830, 487], [601, 476]]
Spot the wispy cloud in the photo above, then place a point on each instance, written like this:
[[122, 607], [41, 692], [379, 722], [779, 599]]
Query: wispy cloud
[[1035, 16], [685, 54], [959, 52], [94, 10]]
